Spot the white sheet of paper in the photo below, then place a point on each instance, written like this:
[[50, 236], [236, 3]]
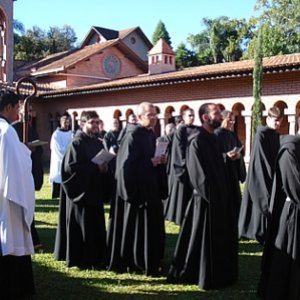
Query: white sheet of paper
[[102, 157], [161, 149]]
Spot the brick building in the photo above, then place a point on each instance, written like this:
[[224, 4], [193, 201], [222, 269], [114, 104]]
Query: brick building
[[228, 83], [114, 70], [6, 40]]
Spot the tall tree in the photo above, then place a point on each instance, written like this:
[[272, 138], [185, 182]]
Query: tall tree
[[161, 32], [18, 26], [31, 45], [60, 39], [185, 57], [282, 27], [224, 37], [257, 83], [36, 43]]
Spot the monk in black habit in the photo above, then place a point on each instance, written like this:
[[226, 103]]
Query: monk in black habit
[[180, 190], [231, 149], [254, 211], [81, 234], [205, 252], [138, 225], [280, 278]]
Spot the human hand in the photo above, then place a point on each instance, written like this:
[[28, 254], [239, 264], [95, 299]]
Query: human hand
[[103, 168]]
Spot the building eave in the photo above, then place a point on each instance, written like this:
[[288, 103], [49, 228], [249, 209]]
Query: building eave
[[148, 81]]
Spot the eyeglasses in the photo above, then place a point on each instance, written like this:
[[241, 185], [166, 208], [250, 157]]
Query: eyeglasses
[[150, 115]]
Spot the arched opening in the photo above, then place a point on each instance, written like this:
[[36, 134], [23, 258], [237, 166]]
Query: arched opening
[[284, 128], [117, 115], [74, 124], [169, 118], [183, 108], [297, 115], [128, 113], [157, 128], [239, 125]]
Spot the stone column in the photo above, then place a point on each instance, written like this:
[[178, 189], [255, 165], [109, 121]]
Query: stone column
[[291, 114], [161, 121], [248, 116]]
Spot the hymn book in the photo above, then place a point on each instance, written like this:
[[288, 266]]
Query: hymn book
[[102, 157], [161, 148]]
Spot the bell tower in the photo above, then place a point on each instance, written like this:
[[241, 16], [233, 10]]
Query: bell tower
[[161, 58], [6, 40]]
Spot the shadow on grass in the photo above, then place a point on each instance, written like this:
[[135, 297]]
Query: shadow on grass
[[47, 238], [54, 281], [45, 205], [53, 284]]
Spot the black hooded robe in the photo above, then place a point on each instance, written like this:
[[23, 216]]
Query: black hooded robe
[[254, 210], [138, 225], [280, 277], [81, 234], [180, 189], [205, 252]]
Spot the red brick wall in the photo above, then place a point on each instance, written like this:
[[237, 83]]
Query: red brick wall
[[212, 90]]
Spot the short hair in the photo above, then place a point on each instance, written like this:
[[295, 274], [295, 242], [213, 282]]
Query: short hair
[[142, 107], [225, 113], [187, 109], [7, 97], [64, 117], [275, 112], [88, 115], [204, 109]]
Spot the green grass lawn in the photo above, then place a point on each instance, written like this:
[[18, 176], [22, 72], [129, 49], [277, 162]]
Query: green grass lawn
[[54, 281]]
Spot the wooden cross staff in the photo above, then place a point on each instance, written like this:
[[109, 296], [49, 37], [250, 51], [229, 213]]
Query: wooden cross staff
[[27, 83]]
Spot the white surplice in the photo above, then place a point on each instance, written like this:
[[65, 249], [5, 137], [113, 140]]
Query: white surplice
[[59, 142], [17, 199]]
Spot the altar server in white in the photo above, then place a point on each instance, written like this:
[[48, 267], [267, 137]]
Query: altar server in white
[[16, 205]]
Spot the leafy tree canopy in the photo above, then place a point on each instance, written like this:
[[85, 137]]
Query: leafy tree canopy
[[36, 43], [280, 23]]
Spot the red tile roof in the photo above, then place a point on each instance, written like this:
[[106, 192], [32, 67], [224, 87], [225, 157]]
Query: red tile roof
[[161, 47], [75, 57], [280, 63]]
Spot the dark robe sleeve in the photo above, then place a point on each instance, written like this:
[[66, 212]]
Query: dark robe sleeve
[[126, 171], [195, 170], [36, 156], [76, 172], [179, 152], [261, 174], [289, 167]]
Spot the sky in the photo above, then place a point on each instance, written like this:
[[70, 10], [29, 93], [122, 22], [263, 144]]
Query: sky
[[181, 18]]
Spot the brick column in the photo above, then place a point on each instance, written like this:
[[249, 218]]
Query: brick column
[[291, 114]]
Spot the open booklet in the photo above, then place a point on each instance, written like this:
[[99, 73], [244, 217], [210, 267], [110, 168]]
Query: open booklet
[[36, 143], [161, 148], [103, 156]]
